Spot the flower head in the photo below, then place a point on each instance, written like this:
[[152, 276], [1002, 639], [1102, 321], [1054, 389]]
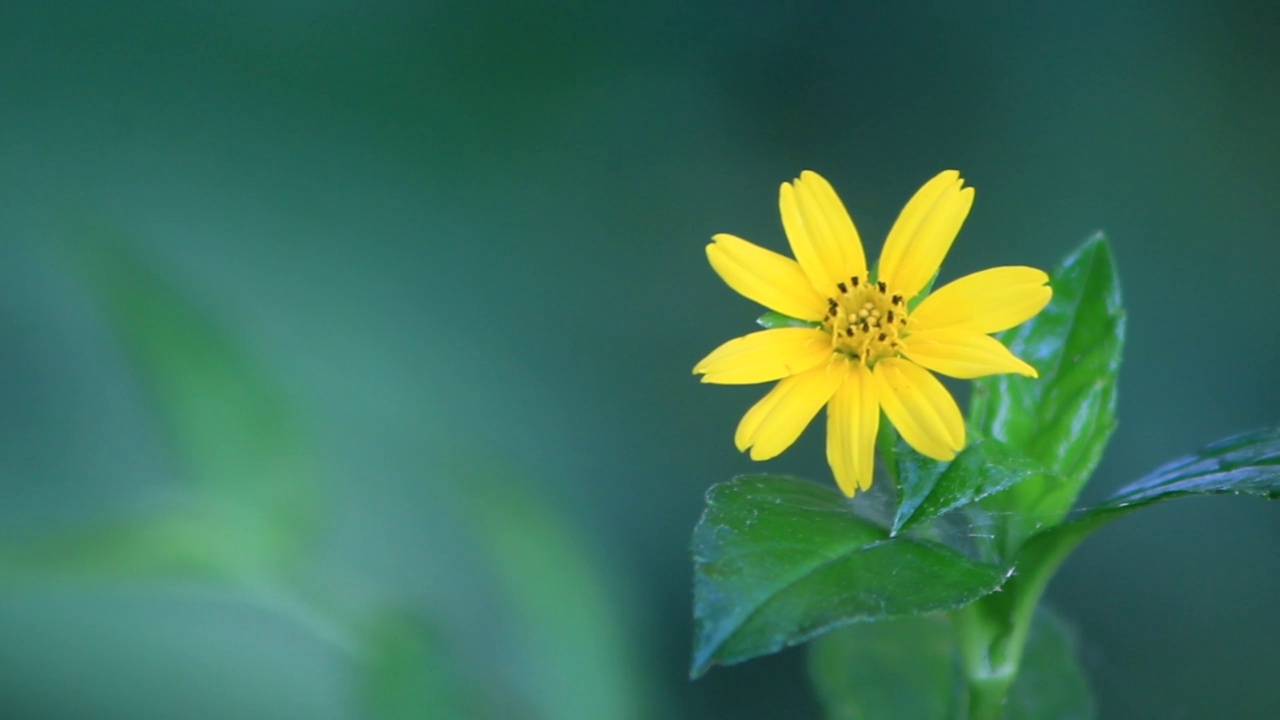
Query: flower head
[[867, 341]]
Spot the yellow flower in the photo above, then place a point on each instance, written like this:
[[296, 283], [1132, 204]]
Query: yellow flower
[[868, 345]]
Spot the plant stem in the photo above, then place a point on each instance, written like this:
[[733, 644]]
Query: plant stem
[[993, 630], [987, 703], [985, 642]]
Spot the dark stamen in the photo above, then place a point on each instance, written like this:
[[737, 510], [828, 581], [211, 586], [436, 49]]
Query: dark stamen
[[843, 288], [854, 280], [890, 316]]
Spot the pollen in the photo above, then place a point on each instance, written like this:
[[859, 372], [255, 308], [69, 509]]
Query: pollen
[[866, 320]]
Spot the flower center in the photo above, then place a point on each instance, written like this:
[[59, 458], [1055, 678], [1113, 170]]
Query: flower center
[[865, 320]]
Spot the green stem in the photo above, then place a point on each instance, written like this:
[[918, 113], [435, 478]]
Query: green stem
[[993, 630], [989, 653], [987, 702]]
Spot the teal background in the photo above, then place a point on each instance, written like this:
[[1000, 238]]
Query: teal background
[[466, 240]]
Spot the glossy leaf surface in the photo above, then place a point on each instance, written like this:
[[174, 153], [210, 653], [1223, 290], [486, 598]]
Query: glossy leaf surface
[[1063, 419], [778, 560], [1246, 464], [929, 488]]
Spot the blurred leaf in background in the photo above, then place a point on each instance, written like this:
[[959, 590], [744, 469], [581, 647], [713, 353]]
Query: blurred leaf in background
[[571, 655], [252, 518], [408, 673], [253, 501]]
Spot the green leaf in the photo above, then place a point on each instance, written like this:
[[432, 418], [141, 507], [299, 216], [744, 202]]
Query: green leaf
[[930, 488], [1247, 464], [237, 438], [778, 560], [904, 668], [771, 320], [909, 668], [916, 477], [1063, 419]]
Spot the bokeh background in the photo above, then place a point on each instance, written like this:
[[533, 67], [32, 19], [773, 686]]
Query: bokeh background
[[346, 346]]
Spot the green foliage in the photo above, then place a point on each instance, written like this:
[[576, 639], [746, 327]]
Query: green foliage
[[997, 624], [1247, 464], [778, 560], [1063, 419], [910, 668], [929, 488]]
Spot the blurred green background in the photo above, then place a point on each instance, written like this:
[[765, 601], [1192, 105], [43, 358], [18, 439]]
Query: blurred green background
[[347, 346]]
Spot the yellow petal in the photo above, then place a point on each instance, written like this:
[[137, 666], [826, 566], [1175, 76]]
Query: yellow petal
[[821, 233], [963, 354], [985, 302], [766, 277], [765, 355], [923, 233], [920, 408], [750, 422], [775, 422], [853, 419]]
